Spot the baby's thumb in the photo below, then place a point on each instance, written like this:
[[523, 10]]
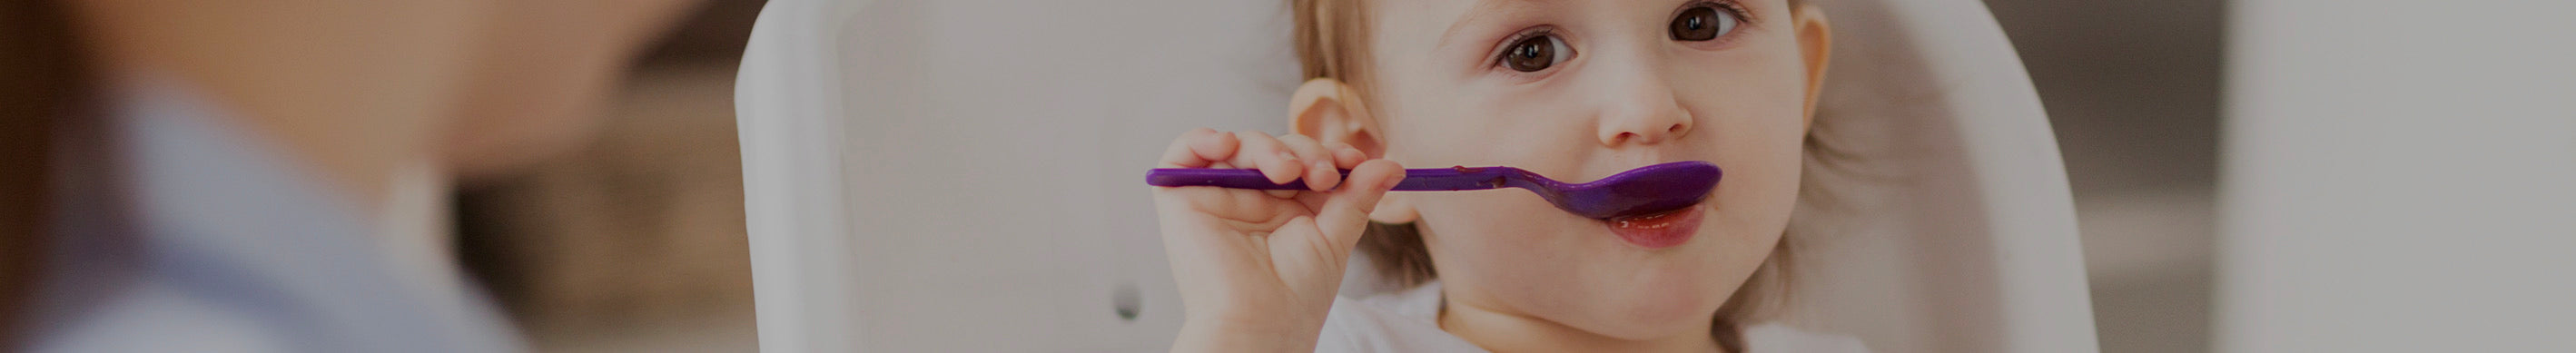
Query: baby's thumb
[[1345, 213]]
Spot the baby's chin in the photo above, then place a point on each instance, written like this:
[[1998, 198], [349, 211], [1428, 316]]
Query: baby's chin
[[1653, 313], [1656, 303]]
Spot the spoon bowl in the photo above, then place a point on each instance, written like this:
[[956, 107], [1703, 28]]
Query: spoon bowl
[[1643, 191]]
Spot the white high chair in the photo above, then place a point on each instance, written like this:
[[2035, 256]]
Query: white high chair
[[888, 148]]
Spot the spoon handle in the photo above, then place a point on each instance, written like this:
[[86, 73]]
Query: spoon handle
[[1436, 179]]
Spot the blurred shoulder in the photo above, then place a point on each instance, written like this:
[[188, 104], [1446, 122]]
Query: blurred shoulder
[[172, 320]]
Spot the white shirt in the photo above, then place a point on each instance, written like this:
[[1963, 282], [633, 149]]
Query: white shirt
[[1408, 321], [179, 232]]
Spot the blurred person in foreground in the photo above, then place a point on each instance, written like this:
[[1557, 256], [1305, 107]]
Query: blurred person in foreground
[[213, 176]]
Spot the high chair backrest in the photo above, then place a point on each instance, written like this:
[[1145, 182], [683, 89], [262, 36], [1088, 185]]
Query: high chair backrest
[[965, 175]]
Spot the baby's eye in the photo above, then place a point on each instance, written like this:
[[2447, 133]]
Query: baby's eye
[[1703, 22], [1535, 53]]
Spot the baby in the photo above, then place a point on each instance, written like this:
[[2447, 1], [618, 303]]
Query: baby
[[1574, 90]]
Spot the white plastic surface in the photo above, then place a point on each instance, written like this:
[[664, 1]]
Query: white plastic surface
[[965, 175]]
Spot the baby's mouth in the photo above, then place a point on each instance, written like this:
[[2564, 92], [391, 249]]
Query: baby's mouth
[[1658, 230]]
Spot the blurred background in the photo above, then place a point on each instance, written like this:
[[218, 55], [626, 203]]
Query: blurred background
[[636, 242]]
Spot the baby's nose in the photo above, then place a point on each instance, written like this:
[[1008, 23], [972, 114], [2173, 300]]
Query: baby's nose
[[1644, 111]]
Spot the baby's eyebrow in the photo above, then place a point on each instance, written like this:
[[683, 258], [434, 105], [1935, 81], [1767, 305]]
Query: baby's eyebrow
[[1483, 9]]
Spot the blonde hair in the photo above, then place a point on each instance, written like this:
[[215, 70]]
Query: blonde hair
[[1332, 43]]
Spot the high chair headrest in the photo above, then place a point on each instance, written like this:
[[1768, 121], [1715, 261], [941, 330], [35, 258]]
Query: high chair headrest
[[1953, 228]]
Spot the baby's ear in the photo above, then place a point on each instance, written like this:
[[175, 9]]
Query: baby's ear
[[1329, 111], [1815, 46]]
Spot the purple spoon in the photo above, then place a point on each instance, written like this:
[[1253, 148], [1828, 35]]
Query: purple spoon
[[1642, 191]]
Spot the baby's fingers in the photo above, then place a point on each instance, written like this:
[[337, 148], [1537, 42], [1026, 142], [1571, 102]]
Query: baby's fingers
[[1345, 213], [1200, 149], [1321, 171], [1345, 156], [1275, 160]]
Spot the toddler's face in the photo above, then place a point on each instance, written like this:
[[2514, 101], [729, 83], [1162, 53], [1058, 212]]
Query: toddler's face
[[1579, 90]]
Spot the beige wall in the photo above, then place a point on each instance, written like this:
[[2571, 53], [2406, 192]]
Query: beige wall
[[2398, 177]]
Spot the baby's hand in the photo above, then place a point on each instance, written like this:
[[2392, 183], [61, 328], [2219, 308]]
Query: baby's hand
[[1258, 269]]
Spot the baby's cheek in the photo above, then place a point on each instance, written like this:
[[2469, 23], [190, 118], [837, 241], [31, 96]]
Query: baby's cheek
[[1506, 231], [1763, 154]]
